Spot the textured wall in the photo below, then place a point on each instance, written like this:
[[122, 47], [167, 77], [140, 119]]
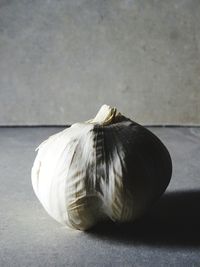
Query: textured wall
[[60, 60]]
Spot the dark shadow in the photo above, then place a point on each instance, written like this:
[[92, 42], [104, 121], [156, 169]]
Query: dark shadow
[[173, 221]]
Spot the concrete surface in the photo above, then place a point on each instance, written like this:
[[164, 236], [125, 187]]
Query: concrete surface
[[167, 236], [60, 60]]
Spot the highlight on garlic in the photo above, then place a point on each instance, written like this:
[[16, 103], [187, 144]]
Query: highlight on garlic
[[106, 167]]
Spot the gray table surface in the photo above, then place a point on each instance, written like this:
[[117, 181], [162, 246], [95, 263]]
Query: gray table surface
[[169, 234]]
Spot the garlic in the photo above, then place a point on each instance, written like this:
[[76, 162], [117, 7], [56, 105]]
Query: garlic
[[106, 167]]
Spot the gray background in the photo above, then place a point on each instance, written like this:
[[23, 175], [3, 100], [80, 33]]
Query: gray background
[[168, 236], [60, 60]]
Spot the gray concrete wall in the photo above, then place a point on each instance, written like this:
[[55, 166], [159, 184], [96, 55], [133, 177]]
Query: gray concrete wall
[[60, 60]]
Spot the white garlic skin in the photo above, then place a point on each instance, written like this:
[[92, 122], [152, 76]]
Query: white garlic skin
[[106, 167]]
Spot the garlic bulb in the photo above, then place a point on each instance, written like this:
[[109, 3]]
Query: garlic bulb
[[107, 167]]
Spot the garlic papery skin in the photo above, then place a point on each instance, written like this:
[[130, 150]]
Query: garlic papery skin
[[106, 167]]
